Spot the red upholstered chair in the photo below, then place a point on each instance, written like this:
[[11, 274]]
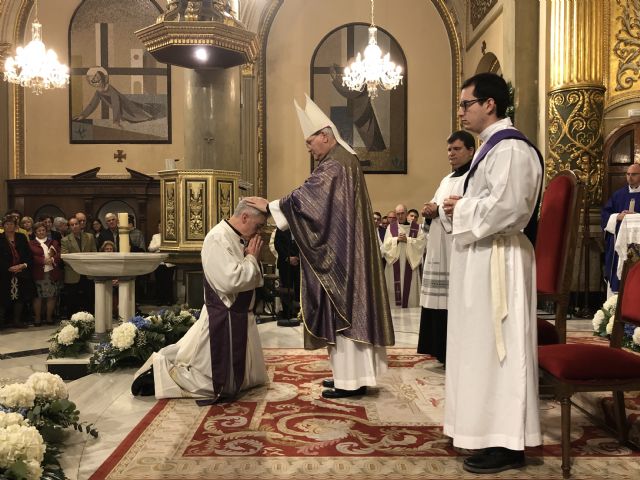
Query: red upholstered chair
[[572, 368], [555, 250]]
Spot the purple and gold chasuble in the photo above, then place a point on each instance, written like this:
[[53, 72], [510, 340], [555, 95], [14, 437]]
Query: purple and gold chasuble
[[342, 288]]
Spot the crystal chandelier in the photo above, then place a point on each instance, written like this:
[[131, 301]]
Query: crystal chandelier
[[374, 70], [34, 66]]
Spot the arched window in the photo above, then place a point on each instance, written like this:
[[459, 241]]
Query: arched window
[[376, 129]]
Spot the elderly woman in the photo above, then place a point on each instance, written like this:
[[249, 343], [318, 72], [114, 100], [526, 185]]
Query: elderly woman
[[47, 272], [16, 285], [27, 224]]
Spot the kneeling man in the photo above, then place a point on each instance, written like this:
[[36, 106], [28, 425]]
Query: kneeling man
[[221, 353]]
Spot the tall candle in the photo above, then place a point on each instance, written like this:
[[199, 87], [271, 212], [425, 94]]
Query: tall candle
[[123, 230], [123, 219]]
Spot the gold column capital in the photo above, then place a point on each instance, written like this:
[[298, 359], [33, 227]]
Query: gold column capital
[[576, 54]]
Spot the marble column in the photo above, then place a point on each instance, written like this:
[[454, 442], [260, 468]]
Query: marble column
[[212, 122]]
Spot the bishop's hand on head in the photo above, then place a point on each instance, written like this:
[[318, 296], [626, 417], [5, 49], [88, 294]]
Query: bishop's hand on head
[[260, 203]]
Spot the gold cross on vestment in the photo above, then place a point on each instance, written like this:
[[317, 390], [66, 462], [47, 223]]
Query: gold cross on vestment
[[120, 155]]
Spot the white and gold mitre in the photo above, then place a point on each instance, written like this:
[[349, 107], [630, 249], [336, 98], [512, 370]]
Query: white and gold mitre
[[312, 119]]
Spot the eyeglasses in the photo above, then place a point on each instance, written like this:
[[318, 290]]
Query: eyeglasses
[[465, 104]]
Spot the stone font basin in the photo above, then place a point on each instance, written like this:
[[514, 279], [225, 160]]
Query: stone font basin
[[113, 265]]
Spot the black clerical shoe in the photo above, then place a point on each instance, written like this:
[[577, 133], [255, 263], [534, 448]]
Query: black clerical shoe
[[143, 385], [328, 383], [494, 460], [340, 393]]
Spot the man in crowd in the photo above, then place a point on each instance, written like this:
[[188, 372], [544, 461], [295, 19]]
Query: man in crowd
[[403, 249], [78, 292], [491, 386], [61, 225], [111, 232], [82, 220], [625, 201], [343, 300], [221, 353], [136, 237]]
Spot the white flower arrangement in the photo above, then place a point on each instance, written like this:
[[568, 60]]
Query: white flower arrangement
[[609, 328], [154, 319], [598, 318], [17, 395], [48, 386], [68, 335], [11, 418], [636, 336], [604, 319], [611, 303], [82, 317], [123, 336], [22, 444]]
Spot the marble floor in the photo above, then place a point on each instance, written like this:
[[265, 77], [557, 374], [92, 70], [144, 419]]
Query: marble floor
[[105, 399]]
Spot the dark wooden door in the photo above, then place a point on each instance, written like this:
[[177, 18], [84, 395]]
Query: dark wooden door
[[621, 149]]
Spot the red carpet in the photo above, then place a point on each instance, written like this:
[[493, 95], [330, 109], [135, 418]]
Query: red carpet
[[287, 431]]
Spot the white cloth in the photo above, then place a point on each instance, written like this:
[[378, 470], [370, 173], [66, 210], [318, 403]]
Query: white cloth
[[412, 251], [47, 253], [629, 232], [184, 369], [490, 402], [353, 364], [435, 277]]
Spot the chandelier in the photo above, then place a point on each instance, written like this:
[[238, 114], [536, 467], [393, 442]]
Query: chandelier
[[374, 70], [34, 66]]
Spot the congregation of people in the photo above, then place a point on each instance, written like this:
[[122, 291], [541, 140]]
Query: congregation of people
[[37, 287]]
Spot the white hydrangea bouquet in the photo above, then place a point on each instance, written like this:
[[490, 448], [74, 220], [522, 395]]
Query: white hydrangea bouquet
[[603, 325], [133, 341], [71, 338], [22, 448], [34, 414]]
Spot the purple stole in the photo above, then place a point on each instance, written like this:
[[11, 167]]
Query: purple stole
[[402, 294], [227, 341]]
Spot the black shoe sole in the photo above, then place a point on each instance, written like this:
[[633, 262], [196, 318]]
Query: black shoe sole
[[502, 468], [328, 383]]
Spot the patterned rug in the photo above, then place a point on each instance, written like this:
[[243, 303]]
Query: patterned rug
[[286, 430]]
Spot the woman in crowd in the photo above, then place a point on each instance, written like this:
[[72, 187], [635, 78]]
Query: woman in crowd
[[16, 284], [27, 224], [96, 229], [47, 272]]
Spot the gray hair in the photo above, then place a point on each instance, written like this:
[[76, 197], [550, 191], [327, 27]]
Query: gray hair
[[328, 131], [59, 221], [244, 207]]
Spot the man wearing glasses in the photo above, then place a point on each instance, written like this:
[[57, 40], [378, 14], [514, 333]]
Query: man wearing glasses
[[344, 304], [623, 202], [491, 387]]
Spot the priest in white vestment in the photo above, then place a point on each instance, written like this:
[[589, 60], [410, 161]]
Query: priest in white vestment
[[432, 338], [491, 387], [231, 270], [403, 250]]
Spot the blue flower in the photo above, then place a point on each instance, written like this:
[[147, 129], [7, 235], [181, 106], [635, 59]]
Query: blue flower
[[628, 329], [140, 322]]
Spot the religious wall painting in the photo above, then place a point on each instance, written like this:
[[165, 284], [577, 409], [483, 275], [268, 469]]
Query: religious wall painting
[[224, 199], [169, 193], [376, 129], [118, 92], [196, 202]]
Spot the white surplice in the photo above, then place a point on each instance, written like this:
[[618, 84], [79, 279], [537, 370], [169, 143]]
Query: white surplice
[[353, 364], [184, 368], [412, 251], [490, 402], [435, 277]]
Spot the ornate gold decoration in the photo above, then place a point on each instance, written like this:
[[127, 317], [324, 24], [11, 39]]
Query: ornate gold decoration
[[478, 9], [4, 51], [196, 213], [627, 47], [169, 201], [190, 203], [575, 137], [577, 36]]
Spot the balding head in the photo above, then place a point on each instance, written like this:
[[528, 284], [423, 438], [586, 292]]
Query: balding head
[[401, 213], [633, 175]]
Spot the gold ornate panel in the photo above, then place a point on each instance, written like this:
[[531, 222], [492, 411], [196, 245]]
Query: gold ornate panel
[[169, 212], [224, 199], [575, 137], [196, 211], [622, 23], [478, 10]]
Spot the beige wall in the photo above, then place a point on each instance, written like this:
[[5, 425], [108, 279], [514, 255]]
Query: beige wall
[[298, 28], [47, 148]]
